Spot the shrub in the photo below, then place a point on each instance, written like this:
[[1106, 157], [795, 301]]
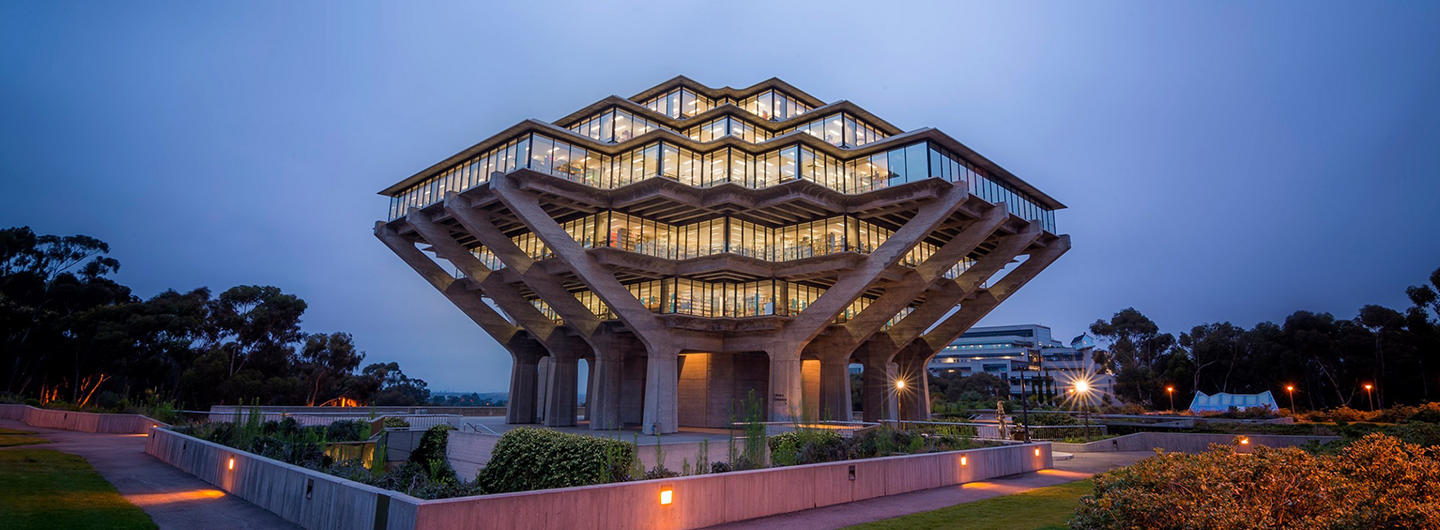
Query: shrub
[[806, 446], [528, 459], [432, 446], [1377, 482], [347, 431]]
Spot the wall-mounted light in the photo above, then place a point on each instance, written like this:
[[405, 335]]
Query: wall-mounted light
[[1037, 452], [964, 461], [1244, 441], [667, 496], [232, 463]]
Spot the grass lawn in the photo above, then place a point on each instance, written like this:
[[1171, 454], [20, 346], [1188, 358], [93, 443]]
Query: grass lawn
[[13, 437], [43, 489], [1037, 509]]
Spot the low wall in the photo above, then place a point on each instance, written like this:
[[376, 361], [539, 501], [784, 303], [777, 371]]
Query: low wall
[[705, 500], [308, 498], [1179, 442], [79, 421], [697, 501], [466, 451], [365, 411]]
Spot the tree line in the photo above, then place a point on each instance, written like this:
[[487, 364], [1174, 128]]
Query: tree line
[[1327, 360], [69, 332]]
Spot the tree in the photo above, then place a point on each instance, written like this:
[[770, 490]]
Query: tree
[[1134, 345], [395, 388], [327, 362], [256, 324]]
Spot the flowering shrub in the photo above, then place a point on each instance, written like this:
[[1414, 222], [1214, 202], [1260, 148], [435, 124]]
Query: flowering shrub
[[1376, 482]]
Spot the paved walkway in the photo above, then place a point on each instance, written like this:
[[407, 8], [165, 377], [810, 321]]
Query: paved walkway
[[172, 498], [842, 515]]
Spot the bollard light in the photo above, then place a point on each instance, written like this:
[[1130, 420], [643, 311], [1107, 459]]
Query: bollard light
[[666, 496]]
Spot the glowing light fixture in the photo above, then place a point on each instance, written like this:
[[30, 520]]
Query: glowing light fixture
[[667, 496], [1037, 452], [232, 464], [1244, 441], [964, 460], [900, 384]]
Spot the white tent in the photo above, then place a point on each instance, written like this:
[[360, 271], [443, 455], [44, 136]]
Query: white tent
[[1222, 401]]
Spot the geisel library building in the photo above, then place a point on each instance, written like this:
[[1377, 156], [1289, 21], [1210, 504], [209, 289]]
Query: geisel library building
[[693, 245]]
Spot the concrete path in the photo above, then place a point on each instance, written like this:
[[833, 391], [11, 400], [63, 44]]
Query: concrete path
[[172, 498], [842, 515]]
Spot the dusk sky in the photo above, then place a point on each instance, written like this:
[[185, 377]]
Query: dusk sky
[[1222, 161]]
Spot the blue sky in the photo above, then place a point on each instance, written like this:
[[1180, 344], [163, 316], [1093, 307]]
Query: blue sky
[[1221, 160]]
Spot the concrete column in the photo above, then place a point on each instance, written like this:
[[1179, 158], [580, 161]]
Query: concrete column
[[914, 402], [835, 389], [879, 391], [603, 405], [542, 387], [524, 373], [561, 395], [661, 392], [786, 385]]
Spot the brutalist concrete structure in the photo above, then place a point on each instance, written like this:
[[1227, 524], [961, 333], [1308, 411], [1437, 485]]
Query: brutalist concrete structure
[[697, 245]]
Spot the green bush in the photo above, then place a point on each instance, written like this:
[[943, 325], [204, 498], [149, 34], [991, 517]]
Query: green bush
[[807, 446], [347, 431], [529, 459], [432, 446], [1377, 482]]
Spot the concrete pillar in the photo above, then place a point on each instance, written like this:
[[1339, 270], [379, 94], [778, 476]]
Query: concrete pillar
[[661, 392], [603, 404], [835, 390], [914, 401], [810, 381], [879, 391], [524, 374], [787, 392], [561, 395]]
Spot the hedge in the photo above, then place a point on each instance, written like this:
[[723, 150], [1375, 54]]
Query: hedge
[[530, 459]]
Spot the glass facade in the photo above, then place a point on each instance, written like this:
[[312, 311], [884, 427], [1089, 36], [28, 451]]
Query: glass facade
[[680, 103], [842, 233], [727, 126], [841, 130], [679, 296], [774, 105], [615, 126]]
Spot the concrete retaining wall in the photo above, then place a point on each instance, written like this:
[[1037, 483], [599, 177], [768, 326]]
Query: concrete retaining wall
[[1177, 442], [79, 421], [697, 501], [705, 500], [308, 498]]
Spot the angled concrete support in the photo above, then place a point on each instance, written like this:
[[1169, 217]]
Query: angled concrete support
[[524, 386], [879, 390], [561, 393]]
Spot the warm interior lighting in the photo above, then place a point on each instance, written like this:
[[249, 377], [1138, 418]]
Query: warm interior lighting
[[232, 463], [666, 496]]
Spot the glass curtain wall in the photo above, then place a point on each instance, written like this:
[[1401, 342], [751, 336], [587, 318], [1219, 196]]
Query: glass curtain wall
[[543, 154], [774, 105], [718, 300], [615, 126], [679, 103], [841, 130]]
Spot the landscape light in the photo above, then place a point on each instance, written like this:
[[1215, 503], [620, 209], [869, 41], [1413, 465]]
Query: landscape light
[[1244, 441], [666, 496], [232, 463], [964, 461], [1082, 386], [1037, 451]]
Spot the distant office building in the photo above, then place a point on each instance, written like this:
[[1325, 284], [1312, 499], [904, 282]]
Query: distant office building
[[1024, 354]]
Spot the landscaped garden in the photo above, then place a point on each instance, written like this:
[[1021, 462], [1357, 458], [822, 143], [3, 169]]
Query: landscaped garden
[[14, 437], [42, 489]]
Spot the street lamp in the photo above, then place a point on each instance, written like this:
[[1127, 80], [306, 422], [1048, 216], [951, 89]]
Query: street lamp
[[1082, 391], [1171, 390], [1290, 389], [1371, 396], [899, 403]]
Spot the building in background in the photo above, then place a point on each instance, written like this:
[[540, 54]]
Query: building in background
[[1024, 354], [695, 246]]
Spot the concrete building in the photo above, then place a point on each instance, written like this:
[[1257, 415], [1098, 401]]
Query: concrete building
[[695, 245], [1024, 354]]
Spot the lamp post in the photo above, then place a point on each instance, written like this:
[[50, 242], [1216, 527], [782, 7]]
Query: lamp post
[[1290, 389], [1370, 396], [1082, 393], [899, 403], [1171, 391]]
